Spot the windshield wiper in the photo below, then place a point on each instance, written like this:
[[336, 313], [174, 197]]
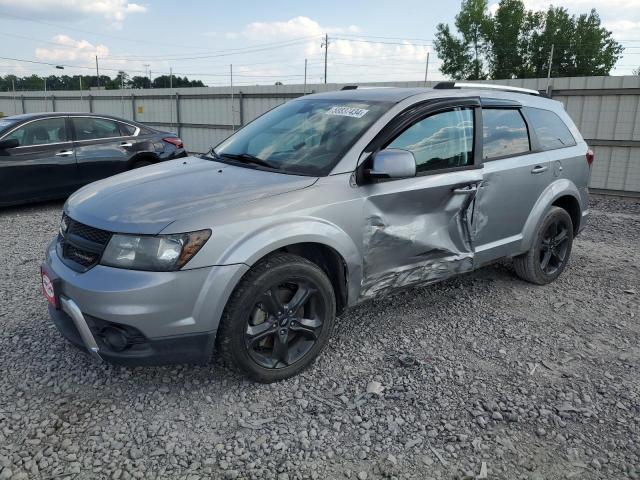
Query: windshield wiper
[[247, 158]]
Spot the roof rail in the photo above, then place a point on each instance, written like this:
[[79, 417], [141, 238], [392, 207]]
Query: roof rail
[[349, 87], [488, 86]]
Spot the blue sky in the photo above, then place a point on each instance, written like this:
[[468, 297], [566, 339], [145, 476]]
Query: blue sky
[[265, 41]]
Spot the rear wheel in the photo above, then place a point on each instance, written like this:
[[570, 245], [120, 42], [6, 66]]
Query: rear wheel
[[278, 319], [141, 163], [550, 252]]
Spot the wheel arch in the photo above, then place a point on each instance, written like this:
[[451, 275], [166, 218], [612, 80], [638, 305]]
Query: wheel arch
[[142, 157], [317, 240], [562, 193]]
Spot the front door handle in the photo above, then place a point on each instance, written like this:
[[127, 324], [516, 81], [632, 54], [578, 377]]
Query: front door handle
[[466, 189], [126, 144], [64, 153], [539, 169]]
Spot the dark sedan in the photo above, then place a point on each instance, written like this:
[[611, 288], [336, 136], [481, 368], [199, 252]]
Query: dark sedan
[[49, 155]]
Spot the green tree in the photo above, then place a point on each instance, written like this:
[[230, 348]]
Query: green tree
[[515, 42], [463, 58]]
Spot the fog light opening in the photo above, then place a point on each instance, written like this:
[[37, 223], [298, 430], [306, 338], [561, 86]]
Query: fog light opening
[[115, 338]]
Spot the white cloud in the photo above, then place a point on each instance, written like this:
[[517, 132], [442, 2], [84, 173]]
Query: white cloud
[[295, 27], [115, 11], [71, 50]]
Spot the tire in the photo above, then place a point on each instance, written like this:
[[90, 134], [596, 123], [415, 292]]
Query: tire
[[283, 302], [550, 251], [141, 163]]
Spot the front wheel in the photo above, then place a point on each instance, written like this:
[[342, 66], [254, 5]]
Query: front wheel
[[551, 249], [278, 319]]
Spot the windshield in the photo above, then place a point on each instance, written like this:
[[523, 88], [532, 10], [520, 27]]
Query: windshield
[[306, 137]]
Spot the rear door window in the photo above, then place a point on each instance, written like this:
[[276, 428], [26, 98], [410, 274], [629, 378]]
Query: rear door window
[[40, 132], [551, 131], [89, 128], [504, 133]]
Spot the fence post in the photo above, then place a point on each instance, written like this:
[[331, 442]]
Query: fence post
[[24, 110], [133, 107], [241, 108], [90, 103], [178, 122]]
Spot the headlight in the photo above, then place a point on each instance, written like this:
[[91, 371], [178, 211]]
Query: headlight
[[160, 253]]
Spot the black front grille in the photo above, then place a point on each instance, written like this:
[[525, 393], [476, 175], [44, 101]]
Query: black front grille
[[80, 246], [89, 233]]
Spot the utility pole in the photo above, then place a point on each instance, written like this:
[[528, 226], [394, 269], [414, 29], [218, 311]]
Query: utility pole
[[426, 70], [147, 68], [233, 120], [170, 93], [97, 71], [550, 63], [304, 92], [80, 87], [13, 87], [325, 44], [46, 109], [122, 92]]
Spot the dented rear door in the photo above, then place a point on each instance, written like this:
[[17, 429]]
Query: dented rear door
[[418, 230]]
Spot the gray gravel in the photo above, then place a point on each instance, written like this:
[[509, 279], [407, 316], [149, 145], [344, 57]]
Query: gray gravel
[[483, 376]]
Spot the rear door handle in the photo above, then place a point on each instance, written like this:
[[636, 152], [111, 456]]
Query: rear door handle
[[466, 189], [539, 169], [126, 144], [64, 153]]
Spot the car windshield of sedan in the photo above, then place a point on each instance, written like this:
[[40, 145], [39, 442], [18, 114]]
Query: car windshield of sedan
[[303, 137]]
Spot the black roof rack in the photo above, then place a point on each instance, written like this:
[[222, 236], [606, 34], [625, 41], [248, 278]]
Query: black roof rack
[[349, 87]]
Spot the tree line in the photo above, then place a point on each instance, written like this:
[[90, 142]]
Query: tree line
[[514, 42], [85, 82]]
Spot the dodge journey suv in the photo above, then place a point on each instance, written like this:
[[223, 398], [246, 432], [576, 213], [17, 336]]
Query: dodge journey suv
[[328, 200]]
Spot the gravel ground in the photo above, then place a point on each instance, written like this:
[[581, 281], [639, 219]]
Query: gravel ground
[[482, 376]]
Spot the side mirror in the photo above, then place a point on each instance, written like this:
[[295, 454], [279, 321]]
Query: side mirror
[[10, 143], [392, 163]]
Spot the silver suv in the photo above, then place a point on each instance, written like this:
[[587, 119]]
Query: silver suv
[[323, 202]]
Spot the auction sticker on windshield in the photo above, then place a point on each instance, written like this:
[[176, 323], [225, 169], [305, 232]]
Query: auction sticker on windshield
[[347, 112]]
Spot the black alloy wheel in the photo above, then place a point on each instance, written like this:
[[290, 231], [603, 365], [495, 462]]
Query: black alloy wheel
[[285, 323], [554, 246], [278, 319]]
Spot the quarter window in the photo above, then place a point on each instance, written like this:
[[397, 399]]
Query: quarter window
[[551, 131], [40, 132], [88, 128], [440, 141], [127, 130], [504, 133]]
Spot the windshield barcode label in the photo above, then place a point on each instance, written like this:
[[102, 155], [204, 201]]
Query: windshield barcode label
[[347, 112]]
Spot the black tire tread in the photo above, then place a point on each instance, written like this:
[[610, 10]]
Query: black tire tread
[[223, 338], [525, 265]]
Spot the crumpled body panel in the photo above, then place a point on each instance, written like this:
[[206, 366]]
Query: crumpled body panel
[[416, 236]]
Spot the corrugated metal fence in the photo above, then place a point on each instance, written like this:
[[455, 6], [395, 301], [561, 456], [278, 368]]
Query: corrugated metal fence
[[606, 110]]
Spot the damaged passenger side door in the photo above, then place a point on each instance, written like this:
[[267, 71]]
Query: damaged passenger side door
[[418, 229]]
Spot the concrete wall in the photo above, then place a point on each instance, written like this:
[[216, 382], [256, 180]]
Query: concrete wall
[[606, 110]]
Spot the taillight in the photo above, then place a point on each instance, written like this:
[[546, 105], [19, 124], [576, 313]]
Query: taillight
[[175, 141], [590, 157]]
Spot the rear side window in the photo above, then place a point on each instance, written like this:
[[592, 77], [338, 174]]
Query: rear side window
[[551, 131], [88, 128], [440, 141], [504, 133]]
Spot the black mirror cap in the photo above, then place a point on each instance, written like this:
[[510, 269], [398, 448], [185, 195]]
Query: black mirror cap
[[9, 143]]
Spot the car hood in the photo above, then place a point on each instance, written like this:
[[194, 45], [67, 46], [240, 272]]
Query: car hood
[[147, 200]]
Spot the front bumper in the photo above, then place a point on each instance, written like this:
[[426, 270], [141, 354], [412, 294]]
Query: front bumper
[[166, 317]]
